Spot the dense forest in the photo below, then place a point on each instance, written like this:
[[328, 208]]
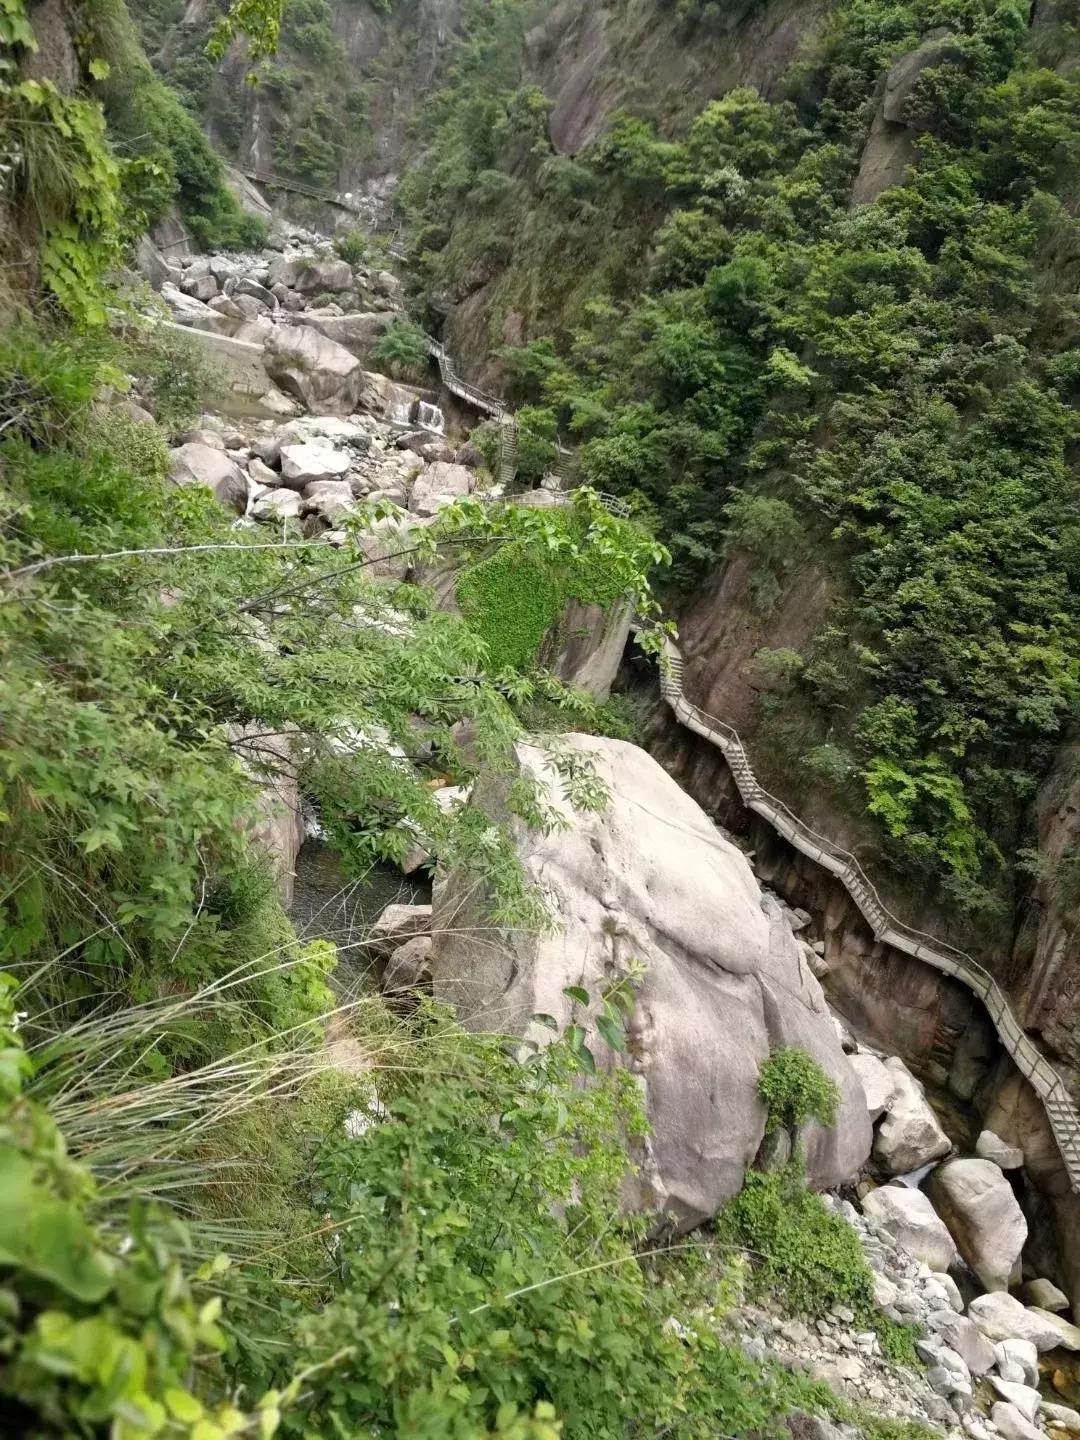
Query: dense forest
[[884, 391]]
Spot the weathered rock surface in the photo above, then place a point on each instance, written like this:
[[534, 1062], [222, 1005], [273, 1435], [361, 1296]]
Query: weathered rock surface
[[278, 504], [991, 1147], [396, 925], [878, 1082], [1000, 1317], [964, 1336], [1062, 1417], [439, 485], [277, 826], [1024, 1397], [910, 1135], [909, 1217], [1012, 1424], [977, 1204], [200, 464], [316, 370], [1045, 1295], [408, 968], [306, 463], [311, 275], [1022, 1354], [649, 877], [358, 331]]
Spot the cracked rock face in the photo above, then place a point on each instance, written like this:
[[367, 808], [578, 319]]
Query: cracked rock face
[[650, 878]]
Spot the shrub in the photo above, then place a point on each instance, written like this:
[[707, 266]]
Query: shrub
[[403, 349], [352, 246], [796, 1089]]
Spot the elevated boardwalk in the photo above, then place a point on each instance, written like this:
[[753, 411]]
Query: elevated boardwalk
[[1045, 1080], [298, 187]]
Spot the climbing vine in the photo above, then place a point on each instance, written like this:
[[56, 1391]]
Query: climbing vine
[[513, 597]]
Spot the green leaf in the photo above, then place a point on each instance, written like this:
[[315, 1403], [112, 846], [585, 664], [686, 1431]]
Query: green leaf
[[182, 1406], [577, 994], [612, 1031]]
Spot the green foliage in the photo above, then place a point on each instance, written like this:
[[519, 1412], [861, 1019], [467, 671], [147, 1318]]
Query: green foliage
[[885, 393], [403, 349], [147, 121], [805, 1255], [352, 246], [513, 597], [796, 1089]]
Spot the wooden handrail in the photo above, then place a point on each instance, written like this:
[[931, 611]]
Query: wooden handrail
[[1044, 1079]]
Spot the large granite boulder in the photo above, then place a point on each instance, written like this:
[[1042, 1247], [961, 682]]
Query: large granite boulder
[[878, 1082], [913, 1223], [984, 1218], [200, 464], [1000, 1317], [898, 104], [438, 485], [909, 1136], [314, 369], [358, 331], [965, 1337], [309, 461], [311, 275], [649, 878]]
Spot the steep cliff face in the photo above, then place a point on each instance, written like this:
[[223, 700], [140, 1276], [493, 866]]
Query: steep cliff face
[[591, 59]]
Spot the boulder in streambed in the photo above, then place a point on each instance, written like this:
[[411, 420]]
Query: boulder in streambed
[[314, 369], [910, 1135], [648, 878], [983, 1216]]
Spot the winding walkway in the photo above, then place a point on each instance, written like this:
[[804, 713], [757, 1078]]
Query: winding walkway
[[298, 187], [1045, 1080]]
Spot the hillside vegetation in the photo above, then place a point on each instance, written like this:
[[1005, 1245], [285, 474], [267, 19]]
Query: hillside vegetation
[[885, 392]]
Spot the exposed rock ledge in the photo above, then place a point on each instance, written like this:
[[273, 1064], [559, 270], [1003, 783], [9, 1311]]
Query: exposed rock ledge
[[650, 878]]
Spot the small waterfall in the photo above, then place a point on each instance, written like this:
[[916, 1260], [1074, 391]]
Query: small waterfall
[[428, 417]]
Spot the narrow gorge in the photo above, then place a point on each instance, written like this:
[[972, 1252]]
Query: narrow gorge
[[540, 676]]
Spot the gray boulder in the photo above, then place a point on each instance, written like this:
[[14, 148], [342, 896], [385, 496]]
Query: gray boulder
[[438, 485], [1026, 1399], [357, 331], [911, 1220], [306, 463], [311, 275], [152, 265], [317, 371], [1061, 1417], [199, 287], [329, 498], [1046, 1295], [254, 291], [275, 505], [1000, 1317], [964, 1336], [1023, 1355], [722, 985], [407, 969], [984, 1218], [1011, 1424], [991, 1147], [397, 924], [878, 1082], [909, 1136], [199, 464]]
